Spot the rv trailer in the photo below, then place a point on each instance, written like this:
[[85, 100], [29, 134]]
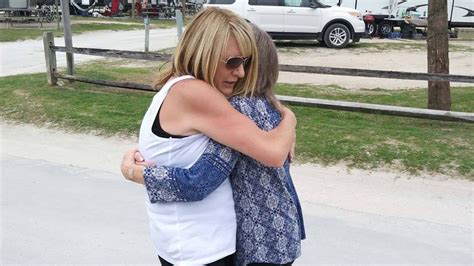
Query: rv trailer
[[381, 16]]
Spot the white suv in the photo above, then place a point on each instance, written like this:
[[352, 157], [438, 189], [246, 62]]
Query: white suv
[[300, 19]]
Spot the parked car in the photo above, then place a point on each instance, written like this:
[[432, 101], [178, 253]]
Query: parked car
[[300, 19]]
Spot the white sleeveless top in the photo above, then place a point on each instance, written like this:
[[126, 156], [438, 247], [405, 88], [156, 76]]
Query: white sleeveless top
[[186, 233]]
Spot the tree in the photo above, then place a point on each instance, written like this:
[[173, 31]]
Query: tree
[[439, 95]]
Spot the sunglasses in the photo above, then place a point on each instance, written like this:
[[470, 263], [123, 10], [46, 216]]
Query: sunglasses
[[235, 62]]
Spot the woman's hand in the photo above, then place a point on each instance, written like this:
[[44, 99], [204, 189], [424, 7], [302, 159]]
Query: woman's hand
[[133, 165], [288, 114], [291, 155], [139, 160]]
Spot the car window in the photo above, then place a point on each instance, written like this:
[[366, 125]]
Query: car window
[[266, 2], [221, 2], [297, 3]]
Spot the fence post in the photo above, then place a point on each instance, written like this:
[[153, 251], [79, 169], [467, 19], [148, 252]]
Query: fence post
[[67, 36], [133, 9], [179, 22], [184, 7], [50, 57], [146, 20]]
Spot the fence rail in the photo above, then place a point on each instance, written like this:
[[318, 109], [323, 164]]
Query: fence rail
[[114, 53], [380, 109], [376, 73], [51, 49], [118, 84], [285, 68]]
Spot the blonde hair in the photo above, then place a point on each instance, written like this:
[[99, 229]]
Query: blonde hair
[[203, 45]]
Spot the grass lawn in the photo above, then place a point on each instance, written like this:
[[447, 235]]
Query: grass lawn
[[371, 141], [323, 136]]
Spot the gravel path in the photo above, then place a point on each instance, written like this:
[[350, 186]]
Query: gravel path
[[27, 57], [407, 60]]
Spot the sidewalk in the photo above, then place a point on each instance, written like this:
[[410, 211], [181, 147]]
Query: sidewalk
[[66, 202], [28, 56]]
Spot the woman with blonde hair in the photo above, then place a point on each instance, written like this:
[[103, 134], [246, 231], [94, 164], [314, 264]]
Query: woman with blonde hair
[[269, 217], [215, 58]]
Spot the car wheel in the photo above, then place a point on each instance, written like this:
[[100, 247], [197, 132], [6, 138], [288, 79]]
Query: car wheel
[[385, 29], [337, 36], [370, 29]]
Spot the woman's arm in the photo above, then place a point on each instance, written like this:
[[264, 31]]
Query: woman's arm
[[203, 109], [166, 184]]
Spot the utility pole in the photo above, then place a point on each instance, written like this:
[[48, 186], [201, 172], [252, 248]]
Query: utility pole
[[439, 95]]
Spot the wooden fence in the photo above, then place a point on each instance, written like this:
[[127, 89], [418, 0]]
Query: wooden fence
[[52, 75]]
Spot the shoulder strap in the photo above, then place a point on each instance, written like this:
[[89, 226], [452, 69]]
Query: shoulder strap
[[173, 81]]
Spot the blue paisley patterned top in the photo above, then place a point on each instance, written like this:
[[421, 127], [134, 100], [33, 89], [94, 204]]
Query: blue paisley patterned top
[[269, 217]]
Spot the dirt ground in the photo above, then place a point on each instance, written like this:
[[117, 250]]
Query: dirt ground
[[407, 60]]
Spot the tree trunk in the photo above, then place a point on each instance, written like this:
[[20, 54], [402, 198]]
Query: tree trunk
[[439, 96]]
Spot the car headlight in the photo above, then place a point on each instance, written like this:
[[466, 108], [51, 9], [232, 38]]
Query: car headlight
[[356, 14]]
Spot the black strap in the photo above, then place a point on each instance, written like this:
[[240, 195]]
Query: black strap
[[158, 130]]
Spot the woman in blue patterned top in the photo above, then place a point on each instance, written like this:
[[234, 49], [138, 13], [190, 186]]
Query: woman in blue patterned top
[[269, 217]]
